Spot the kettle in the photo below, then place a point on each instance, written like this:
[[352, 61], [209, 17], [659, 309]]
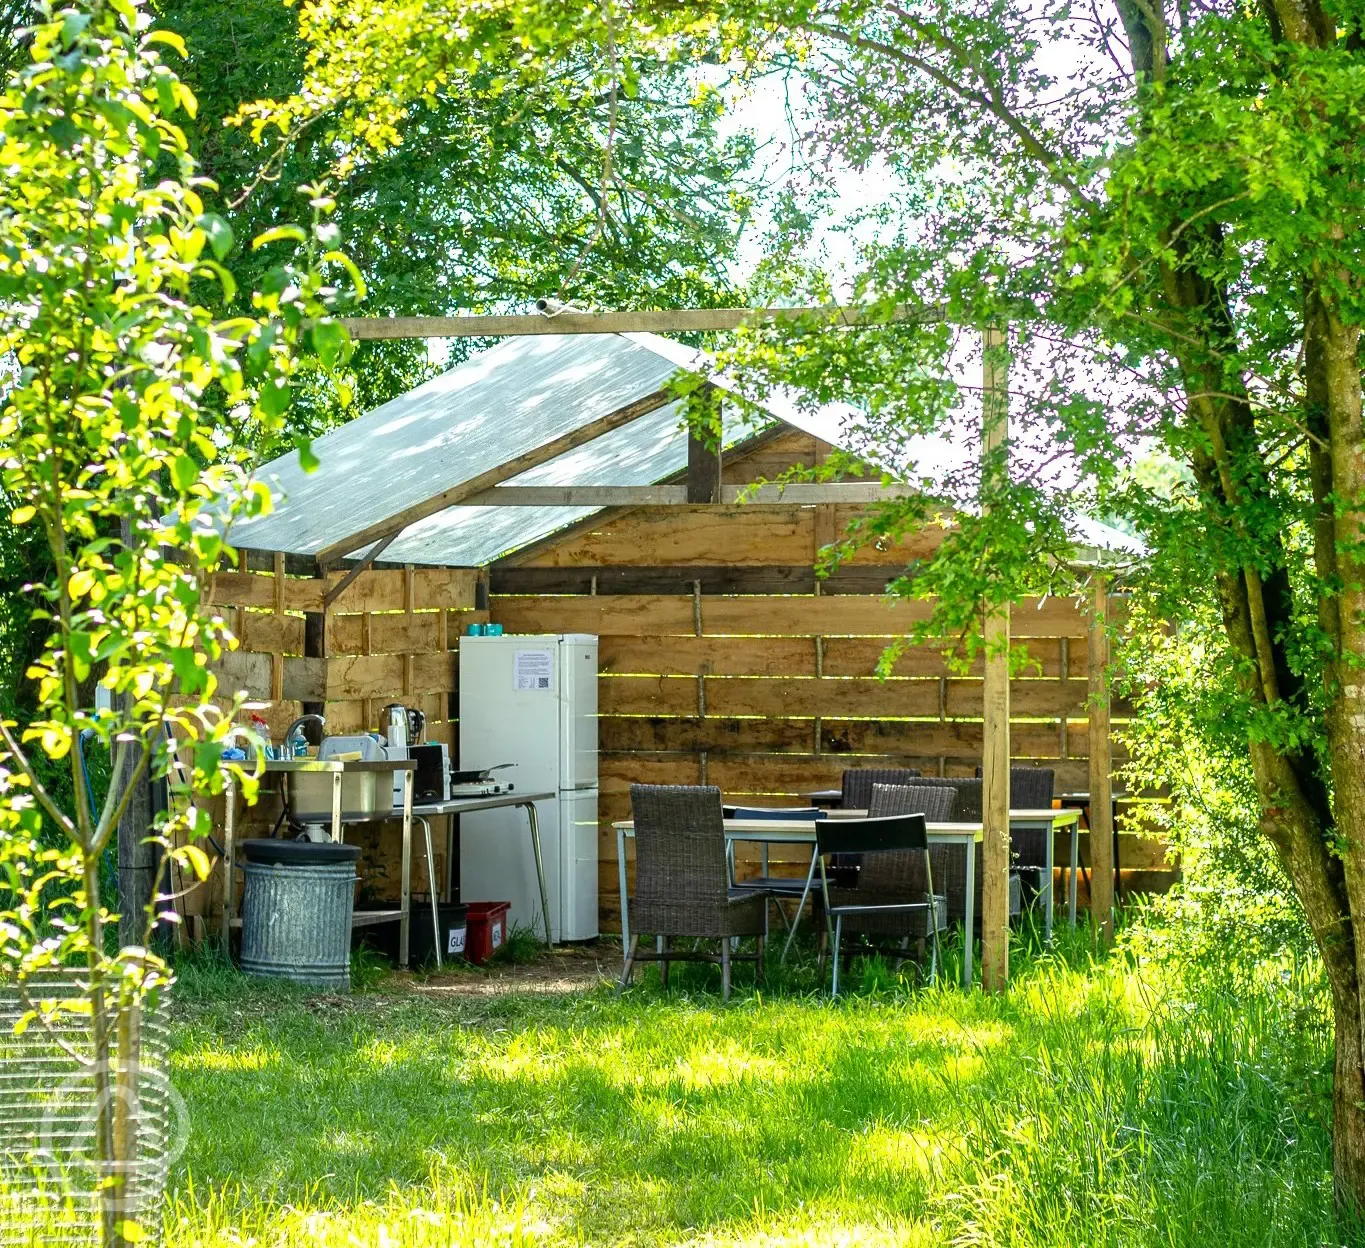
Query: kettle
[[403, 725]]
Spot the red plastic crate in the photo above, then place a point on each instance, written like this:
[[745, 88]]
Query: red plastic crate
[[485, 929]]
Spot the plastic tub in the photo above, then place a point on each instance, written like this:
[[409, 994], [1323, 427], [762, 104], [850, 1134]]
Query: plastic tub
[[485, 929], [383, 937]]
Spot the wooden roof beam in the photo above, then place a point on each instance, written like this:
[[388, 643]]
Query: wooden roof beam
[[799, 493], [667, 321]]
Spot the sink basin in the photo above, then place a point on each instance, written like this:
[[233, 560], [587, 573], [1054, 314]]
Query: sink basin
[[366, 787], [310, 794]]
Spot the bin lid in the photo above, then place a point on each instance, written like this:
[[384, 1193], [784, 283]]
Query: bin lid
[[272, 852]]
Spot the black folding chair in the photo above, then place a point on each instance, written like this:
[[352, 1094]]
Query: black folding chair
[[895, 882]]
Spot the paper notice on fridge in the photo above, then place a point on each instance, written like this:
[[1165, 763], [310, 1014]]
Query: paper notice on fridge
[[533, 669]]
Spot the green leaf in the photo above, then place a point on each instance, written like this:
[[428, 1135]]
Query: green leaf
[[22, 515], [197, 860], [274, 397], [73, 25], [341, 258], [308, 461], [165, 92], [169, 38], [278, 234], [219, 233], [329, 341], [184, 473]]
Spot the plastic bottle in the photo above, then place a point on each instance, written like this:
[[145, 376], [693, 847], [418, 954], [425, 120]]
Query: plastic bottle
[[298, 744]]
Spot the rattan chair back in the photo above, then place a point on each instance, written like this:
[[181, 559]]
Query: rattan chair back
[[935, 804], [858, 781]]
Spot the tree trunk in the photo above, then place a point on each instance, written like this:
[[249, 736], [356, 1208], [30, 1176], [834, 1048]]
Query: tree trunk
[[1348, 1105]]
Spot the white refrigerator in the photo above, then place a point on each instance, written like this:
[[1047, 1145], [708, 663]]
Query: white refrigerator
[[532, 701]]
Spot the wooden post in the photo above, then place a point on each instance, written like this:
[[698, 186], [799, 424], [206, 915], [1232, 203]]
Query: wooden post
[[314, 647], [703, 469], [1101, 795], [995, 754], [277, 657]]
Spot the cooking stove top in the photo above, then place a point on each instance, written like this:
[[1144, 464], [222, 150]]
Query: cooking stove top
[[458, 791]]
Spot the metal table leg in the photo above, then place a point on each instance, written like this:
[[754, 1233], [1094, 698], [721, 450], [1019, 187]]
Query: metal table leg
[[336, 806], [625, 901], [1075, 869], [530, 809], [229, 833], [404, 923], [431, 886], [1049, 907], [969, 916], [800, 907]]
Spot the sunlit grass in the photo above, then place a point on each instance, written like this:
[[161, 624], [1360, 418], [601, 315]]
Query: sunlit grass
[[1095, 1104]]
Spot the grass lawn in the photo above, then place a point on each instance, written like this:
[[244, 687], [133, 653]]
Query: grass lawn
[[1093, 1105]]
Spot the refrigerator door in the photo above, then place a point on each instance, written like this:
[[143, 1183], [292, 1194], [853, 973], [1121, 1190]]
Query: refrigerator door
[[510, 710], [578, 711], [497, 862], [578, 871]]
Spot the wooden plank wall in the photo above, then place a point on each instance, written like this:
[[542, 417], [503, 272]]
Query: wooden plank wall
[[723, 661], [393, 635]]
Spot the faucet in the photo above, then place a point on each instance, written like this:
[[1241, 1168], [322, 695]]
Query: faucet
[[305, 719]]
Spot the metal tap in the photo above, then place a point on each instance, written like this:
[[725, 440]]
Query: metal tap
[[305, 719]]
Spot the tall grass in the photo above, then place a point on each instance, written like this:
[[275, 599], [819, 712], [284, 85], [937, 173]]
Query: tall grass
[[1110, 1103]]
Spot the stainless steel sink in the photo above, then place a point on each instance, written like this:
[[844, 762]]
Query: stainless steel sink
[[366, 788]]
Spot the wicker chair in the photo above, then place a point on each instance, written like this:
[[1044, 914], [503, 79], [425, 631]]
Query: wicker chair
[[682, 881], [1030, 789], [858, 781], [894, 897], [968, 808], [936, 805]]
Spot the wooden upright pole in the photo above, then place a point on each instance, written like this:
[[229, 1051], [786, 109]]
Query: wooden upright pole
[[1101, 795], [995, 756], [703, 469]]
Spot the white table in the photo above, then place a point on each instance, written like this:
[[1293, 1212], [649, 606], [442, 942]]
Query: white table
[[966, 835]]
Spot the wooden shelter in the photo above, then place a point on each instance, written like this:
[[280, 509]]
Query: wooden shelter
[[549, 485]]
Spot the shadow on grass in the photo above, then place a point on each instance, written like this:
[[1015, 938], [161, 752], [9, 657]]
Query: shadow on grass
[[1089, 1106]]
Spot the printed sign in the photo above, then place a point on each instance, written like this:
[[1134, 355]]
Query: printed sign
[[455, 940], [497, 934], [533, 669]]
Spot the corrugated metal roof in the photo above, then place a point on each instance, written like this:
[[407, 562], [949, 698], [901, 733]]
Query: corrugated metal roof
[[500, 404], [641, 453]]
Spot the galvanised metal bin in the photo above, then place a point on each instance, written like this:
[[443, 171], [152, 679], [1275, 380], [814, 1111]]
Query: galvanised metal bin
[[296, 911]]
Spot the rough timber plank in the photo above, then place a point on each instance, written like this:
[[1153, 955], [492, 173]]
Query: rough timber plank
[[779, 615], [374, 590], [795, 656], [263, 632], [669, 536], [749, 536], [867, 742], [397, 632]]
